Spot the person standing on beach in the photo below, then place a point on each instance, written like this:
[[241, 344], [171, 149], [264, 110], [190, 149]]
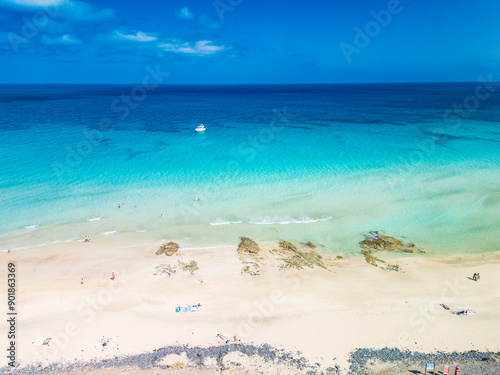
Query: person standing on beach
[[81, 282], [113, 276], [474, 277]]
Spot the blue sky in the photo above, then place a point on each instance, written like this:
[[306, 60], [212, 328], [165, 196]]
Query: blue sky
[[249, 41]]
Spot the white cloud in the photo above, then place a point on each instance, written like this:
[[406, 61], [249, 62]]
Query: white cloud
[[63, 40], [81, 11], [35, 3], [73, 10], [184, 14], [139, 36], [201, 47]]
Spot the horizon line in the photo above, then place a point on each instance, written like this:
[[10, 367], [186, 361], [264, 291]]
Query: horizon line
[[241, 84]]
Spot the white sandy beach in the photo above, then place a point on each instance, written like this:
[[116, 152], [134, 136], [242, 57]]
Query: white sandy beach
[[324, 314]]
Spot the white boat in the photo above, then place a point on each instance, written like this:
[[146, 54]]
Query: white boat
[[200, 128]]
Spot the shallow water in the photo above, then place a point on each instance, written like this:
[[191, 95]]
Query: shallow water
[[320, 163]]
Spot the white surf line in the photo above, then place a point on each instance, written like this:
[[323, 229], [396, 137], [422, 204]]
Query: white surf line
[[94, 219], [225, 222], [108, 232], [287, 220]]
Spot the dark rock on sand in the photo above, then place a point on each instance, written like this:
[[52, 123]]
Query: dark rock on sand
[[288, 246], [294, 258], [377, 242], [164, 269], [251, 268], [310, 244], [190, 266], [248, 246], [380, 242], [169, 249], [248, 251]]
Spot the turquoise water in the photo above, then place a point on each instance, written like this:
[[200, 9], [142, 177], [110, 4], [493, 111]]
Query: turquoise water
[[322, 163]]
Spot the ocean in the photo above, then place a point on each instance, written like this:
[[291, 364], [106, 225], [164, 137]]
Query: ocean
[[319, 163]]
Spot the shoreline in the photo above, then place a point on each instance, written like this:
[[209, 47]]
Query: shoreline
[[323, 313], [187, 246]]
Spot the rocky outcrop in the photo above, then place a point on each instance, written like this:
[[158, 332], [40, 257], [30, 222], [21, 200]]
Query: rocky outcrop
[[164, 269], [379, 242], [295, 258], [248, 251], [376, 242], [251, 268], [309, 244], [288, 246], [168, 249], [190, 266], [248, 246], [377, 262]]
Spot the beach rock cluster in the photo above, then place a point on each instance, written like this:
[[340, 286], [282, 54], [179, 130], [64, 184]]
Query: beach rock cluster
[[248, 251], [376, 242], [248, 246], [309, 244], [380, 242], [164, 269], [190, 266], [251, 268], [377, 262], [295, 258], [168, 249]]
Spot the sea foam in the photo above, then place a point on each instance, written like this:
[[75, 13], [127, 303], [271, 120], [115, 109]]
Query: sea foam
[[287, 220], [108, 232], [224, 222]]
